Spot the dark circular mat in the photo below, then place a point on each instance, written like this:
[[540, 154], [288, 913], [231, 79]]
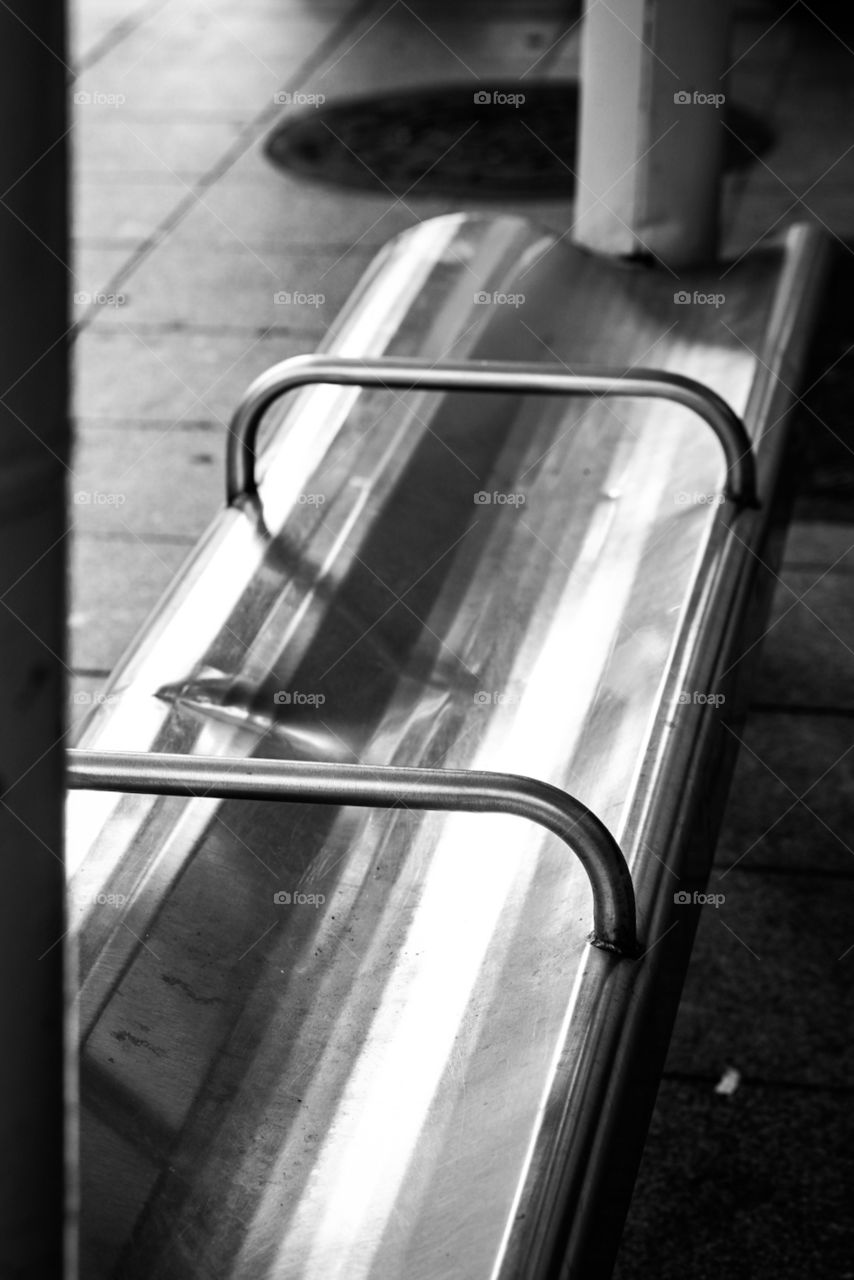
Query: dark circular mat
[[456, 141]]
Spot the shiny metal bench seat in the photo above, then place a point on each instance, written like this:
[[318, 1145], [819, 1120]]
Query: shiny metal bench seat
[[327, 1041]]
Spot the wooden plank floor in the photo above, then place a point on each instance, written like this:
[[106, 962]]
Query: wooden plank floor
[[184, 234]]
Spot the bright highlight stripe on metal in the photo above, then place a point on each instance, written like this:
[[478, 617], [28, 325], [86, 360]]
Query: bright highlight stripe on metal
[[385, 787]]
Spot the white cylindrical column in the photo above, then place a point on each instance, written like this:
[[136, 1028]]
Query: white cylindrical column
[[651, 134]]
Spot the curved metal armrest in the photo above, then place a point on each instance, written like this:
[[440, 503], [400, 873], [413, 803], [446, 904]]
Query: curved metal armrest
[[464, 791], [528, 379]]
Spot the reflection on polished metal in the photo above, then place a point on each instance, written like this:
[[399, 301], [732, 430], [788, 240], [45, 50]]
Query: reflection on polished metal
[[327, 1042], [513, 379], [368, 786]]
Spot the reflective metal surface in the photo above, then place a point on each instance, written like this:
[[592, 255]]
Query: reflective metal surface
[[375, 786], [332, 1042], [512, 379]]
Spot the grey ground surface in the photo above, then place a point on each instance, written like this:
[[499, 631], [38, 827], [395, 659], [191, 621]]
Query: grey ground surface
[[183, 235]]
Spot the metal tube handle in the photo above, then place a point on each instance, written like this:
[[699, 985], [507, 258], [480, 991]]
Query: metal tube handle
[[386, 787], [528, 379]]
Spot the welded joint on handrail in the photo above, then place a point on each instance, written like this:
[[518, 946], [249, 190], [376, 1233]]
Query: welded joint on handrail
[[387, 787]]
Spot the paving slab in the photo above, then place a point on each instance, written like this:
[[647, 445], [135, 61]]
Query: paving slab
[[97, 25], [194, 61], [117, 214], [84, 692], [748, 1187], [817, 545], [792, 796], [260, 206], [93, 269], [808, 649], [250, 289], [405, 49], [110, 146], [769, 990], [114, 585], [173, 374], [144, 481]]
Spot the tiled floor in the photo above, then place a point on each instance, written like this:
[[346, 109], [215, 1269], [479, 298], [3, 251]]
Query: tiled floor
[[184, 233]]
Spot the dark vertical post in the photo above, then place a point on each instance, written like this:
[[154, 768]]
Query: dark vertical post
[[33, 455]]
